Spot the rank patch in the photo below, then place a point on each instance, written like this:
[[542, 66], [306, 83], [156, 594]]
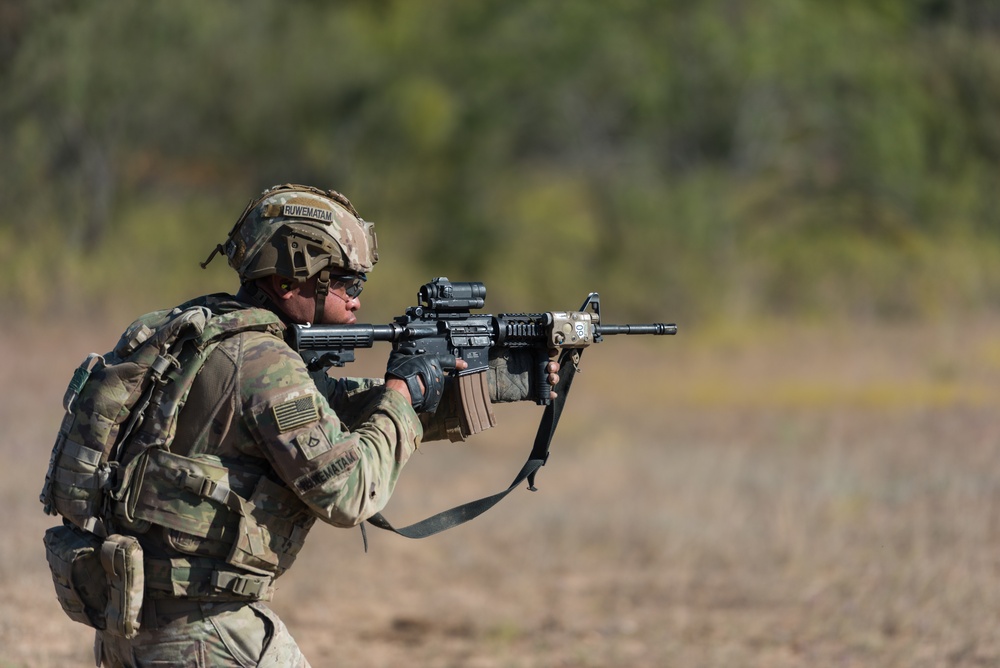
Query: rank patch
[[313, 443], [295, 413]]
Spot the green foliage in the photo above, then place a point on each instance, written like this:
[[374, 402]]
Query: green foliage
[[708, 159]]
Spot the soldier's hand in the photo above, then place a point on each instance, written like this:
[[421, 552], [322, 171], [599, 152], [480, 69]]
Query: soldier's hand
[[512, 377], [420, 376], [553, 369]]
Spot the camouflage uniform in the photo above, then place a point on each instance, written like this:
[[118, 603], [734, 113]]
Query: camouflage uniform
[[191, 634], [316, 446], [216, 503]]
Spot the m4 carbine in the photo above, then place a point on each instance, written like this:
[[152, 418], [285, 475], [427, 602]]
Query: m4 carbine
[[444, 323]]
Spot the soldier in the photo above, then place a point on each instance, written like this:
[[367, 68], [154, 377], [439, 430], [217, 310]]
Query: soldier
[[292, 445]]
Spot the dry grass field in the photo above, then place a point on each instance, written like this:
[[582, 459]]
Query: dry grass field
[[786, 496]]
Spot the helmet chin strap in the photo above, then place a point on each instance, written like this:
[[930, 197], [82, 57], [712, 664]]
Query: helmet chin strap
[[258, 296], [322, 290], [251, 291]]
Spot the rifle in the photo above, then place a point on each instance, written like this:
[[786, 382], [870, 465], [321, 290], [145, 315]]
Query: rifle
[[443, 322]]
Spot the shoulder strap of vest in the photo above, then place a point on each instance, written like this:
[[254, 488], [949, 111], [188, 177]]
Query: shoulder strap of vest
[[242, 320], [167, 394]]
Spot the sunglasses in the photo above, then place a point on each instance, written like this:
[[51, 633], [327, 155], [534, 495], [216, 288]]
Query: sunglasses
[[353, 284]]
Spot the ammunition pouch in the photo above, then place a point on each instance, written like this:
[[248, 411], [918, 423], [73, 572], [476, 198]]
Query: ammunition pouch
[[99, 582], [230, 515], [121, 557], [75, 563]]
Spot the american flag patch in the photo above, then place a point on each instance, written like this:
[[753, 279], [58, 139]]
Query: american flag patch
[[295, 413]]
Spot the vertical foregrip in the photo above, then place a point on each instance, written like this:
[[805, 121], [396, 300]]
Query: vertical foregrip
[[543, 389], [527, 330]]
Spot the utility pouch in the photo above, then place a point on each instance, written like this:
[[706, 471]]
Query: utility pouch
[[75, 563], [121, 557], [271, 535]]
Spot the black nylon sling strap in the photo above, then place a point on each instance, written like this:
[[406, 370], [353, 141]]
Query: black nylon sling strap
[[539, 455]]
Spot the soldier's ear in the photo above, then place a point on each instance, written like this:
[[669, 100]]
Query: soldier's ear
[[281, 287]]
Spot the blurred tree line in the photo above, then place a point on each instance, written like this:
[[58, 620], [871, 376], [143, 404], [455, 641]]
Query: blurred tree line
[[723, 158]]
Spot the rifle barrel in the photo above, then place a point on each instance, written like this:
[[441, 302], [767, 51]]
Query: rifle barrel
[[656, 329]]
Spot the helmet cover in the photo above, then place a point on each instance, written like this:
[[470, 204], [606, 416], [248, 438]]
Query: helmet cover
[[297, 231]]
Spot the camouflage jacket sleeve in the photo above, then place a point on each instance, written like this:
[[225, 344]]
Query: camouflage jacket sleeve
[[344, 472], [350, 396], [506, 379]]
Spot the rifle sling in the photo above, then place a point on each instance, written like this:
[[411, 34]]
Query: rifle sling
[[539, 455]]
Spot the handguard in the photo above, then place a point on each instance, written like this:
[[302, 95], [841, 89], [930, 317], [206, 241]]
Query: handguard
[[414, 368]]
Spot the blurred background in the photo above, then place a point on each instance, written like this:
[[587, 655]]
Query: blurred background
[[807, 475], [713, 160]]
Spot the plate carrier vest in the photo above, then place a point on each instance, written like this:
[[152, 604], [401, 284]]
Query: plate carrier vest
[[112, 470]]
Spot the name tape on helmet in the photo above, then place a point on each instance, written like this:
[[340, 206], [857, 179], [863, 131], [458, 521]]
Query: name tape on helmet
[[299, 211]]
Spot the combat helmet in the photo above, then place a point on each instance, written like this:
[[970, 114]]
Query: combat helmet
[[298, 232]]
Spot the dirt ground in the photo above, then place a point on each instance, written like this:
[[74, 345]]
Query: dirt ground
[[770, 496]]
